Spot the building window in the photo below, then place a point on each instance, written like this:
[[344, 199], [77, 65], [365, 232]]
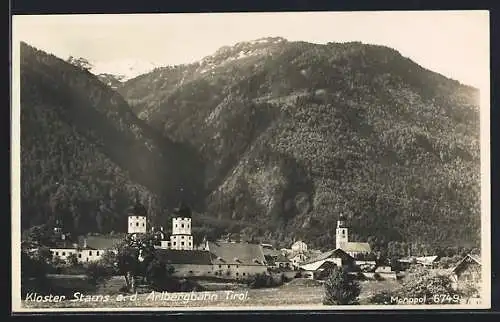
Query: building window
[[237, 273], [182, 225], [175, 225], [137, 224], [87, 259], [182, 243], [57, 253], [175, 243], [182, 237], [244, 274], [97, 253], [189, 243], [142, 224], [90, 253], [79, 255], [220, 266], [63, 253]]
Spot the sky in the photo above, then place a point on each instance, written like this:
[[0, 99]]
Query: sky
[[452, 43]]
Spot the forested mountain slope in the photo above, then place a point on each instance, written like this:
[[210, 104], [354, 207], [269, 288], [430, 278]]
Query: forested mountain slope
[[293, 134], [85, 156]]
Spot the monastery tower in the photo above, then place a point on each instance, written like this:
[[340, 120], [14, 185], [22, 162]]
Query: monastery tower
[[137, 219]]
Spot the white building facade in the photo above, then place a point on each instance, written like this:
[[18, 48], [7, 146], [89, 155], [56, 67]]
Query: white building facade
[[137, 224]]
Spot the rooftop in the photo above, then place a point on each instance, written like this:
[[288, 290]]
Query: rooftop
[[355, 247], [197, 257], [236, 253], [329, 254], [99, 242]]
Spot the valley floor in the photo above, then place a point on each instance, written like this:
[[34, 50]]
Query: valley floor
[[298, 292]]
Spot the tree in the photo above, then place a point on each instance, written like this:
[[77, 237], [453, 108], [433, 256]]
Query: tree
[[158, 274], [469, 291], [72, 259], [341, 289], [134, 256], [33, 273], [435, 289]]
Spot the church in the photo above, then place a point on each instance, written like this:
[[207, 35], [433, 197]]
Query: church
[[342, 240]]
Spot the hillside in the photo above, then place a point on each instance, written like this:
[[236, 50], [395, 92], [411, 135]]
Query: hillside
[[85, 156], [293, 133]]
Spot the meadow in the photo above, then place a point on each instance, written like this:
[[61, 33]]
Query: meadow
[[297, 292]]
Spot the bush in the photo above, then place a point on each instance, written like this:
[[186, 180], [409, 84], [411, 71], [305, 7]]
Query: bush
[[383, 297], [98, 273], [421, 285], [263, 280], [341, 289]]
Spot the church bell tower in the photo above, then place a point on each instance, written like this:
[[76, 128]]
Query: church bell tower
[[341, 233]]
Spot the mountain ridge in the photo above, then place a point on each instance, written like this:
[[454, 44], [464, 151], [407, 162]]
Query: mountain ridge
[[289, 87], [288, 135], [68, 103]]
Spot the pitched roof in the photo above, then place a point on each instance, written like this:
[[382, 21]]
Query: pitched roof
[[426, 259], [474, 258], [197, 257], [314, 266], [236, 253], [271, 252], [477, 258], [99, 242], [332, 253], [183, 211], [357, 247]]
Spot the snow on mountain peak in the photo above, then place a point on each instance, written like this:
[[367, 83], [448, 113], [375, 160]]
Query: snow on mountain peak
[[127, 68]]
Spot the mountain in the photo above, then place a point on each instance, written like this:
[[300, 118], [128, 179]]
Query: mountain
[[111, 80], [85, 156], [292, 134], [124, 69]]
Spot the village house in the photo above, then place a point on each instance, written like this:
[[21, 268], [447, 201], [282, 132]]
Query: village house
[[427, 261], [237, 260], [366, 266], [298, 259], [187, 262], [88, 248], [423, 261], [299, 247], [342, 240], [467, 272], [222, 259], [327, 260]]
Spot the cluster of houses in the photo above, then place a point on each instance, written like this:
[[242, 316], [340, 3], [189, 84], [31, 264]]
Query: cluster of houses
[[240, 260]]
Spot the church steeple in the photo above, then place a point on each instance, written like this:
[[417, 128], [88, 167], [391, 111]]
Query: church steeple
[[341, 233]]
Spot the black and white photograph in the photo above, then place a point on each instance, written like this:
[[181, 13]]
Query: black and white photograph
[[251, 161]]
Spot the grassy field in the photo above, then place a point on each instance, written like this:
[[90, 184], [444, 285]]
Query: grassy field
[[296, 292]]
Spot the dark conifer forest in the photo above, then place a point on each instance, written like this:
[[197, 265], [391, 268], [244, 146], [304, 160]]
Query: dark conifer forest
[[271, 140]]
